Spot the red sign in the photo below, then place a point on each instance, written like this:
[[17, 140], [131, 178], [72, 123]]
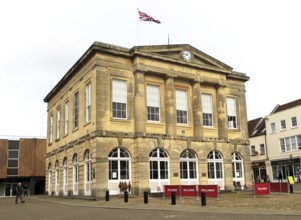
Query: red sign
[[188, 190], [168, 189], [262, 188], [279, 187], [210, 190]]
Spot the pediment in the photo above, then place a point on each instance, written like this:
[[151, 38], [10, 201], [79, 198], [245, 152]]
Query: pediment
[[175, 54]]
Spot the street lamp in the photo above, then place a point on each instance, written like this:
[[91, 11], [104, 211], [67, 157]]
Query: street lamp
[[292, 173]]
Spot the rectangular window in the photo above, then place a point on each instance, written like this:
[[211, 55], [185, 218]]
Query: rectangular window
[[282, 145], [13, 158], [50, 128], [283, 124], [207, 110], [293, 143], [273, 127], [58, 123], [288, 144], [153, 102], [232, 114], [294, 122], [253, 150], [76, 109], [181, 106], [119, 99], [88, 102], [299, 141], [66, 117], [262, 150]]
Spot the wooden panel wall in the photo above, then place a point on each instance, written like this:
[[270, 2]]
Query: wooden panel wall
[[32, 157], [3, 158]]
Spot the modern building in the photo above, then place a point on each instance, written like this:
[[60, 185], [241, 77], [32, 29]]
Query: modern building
[[146, 117], [22, 161], [278, 142]]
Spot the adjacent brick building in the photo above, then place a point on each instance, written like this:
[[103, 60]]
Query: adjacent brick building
[[22, 161], [146, 116]]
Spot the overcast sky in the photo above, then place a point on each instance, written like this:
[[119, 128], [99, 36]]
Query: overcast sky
[[40, 41]]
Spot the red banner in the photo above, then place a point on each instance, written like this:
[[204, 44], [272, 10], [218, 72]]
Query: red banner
[[279, 187], [210, 190], [188, 190], [262, 188], [168, 189]]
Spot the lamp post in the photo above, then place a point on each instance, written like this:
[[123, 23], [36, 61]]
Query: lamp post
[[292, 173]]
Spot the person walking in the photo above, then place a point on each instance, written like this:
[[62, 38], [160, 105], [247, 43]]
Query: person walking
[[25, 190], [19, 193]]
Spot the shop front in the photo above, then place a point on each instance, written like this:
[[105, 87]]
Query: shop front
[[281, 169], [259, 172]]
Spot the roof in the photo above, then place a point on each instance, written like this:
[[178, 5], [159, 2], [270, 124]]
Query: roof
[[166, 53], [256, 127], [279, 108]]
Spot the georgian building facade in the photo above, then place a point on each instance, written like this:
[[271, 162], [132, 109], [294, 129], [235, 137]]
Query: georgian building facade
[[148, 116]]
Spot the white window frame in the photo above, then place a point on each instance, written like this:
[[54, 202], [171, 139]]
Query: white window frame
[[215, 158], [57, 178], [88, 173], [157, 158], [88, 102], [119, 98], [232, 113], [153, 103], [182, 106], [207, 109], [294, 122], [283, 124], [58, 123], [65, 164], [262, 149], [273, 127], [253, 151], [50, 128], [188, 158], [66, 118], [75, 174], [76, 110], [238, 168]]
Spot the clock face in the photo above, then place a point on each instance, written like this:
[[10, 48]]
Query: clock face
[[186, 55]]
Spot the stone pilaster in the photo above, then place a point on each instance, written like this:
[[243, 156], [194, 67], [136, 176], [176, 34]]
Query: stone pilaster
[[170, 113], [197, 110], [140, 109], [222, 113]]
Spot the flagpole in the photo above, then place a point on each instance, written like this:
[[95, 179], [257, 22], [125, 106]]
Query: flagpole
[[138, 29]]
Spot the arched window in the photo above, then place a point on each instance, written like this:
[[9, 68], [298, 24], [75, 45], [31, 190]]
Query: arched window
[[215, 169], [75, 174], [159, 169], [88, 176], [65, 164], [119, 169], [119, 164], [237, 168], [49, 179], [188, 167], [57, 178]]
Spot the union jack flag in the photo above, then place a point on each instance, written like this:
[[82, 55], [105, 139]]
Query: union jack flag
[[145, 17]]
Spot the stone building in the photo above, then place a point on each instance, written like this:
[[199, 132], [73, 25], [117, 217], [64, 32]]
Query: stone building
[[148, 116]]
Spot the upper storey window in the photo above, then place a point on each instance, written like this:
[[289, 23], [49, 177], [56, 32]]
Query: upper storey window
[[50, 128], [119, 99], [58, 123], [88, 102], [153, 103], [76, 109], [232, 113], [207, 110], [181, 99]]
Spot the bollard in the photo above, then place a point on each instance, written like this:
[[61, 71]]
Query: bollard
[[126, 196], [203, 198], [145, 197], [291, 188], [173, 198], [107, 196]]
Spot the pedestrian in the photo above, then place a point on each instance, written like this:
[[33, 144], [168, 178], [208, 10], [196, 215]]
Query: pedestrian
[[25, 190], [19, 193], [280, 176]]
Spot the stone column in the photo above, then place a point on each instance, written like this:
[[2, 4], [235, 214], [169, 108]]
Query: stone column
[[140, 109], [222, 113], [170, 113], [197, 110]]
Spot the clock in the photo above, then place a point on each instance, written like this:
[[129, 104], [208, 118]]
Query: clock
[[186, 55]]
